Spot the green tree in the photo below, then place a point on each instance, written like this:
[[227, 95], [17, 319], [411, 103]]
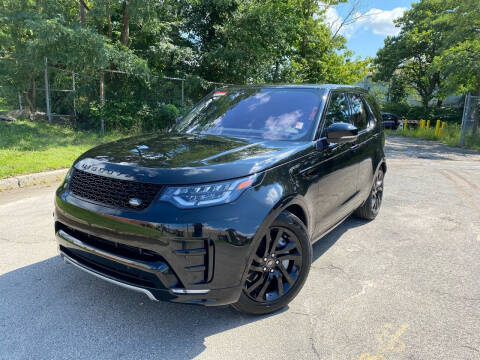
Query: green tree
[[459, 59], [437, 51], [51, 29], [270, 41], [410, 54], [397, 91]]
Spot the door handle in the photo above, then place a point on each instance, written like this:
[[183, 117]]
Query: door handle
[[354, 147]]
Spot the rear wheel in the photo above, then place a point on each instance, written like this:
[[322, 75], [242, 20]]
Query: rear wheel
[[278, 268], [369, 210]]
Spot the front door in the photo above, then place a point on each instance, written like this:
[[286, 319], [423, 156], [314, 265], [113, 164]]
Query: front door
[[335, 186]]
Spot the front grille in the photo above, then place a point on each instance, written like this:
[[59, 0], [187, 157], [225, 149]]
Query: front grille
[[116, 248], [113, 192], [160, 274]]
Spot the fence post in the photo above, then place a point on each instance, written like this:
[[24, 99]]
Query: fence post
[[47, 92], [102, 102], [183, 91], [74, 95], [20, 102], [464, 119]]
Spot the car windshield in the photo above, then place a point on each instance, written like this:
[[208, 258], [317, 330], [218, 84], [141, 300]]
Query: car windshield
[[266, 113]]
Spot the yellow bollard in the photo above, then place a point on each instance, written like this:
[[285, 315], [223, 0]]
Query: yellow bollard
[[437, 128], [442, 129], [422, 124], [405, 124], [428, 124]]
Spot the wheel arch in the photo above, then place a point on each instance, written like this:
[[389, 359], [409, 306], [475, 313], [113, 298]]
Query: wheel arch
[[299, 212], [296, 205], [383, 166]]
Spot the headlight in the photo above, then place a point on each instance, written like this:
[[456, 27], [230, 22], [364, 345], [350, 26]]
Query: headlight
[[192, 196], [68, 177]]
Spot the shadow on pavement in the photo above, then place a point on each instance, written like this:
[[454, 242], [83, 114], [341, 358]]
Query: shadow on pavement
[[51, 310], [323, 244]]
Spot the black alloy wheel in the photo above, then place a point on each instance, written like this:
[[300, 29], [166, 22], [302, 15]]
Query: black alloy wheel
[[278, 268], [370, 208], [377, 192], [275, 266]]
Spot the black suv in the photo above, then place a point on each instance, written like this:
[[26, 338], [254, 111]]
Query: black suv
[[391, 121], [224, 208]]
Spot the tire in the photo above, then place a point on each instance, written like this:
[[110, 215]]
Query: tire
[[272, 284], [370, 208]]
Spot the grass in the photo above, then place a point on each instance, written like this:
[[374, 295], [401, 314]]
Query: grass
[[450, 136], [3, 104], [29, 147]]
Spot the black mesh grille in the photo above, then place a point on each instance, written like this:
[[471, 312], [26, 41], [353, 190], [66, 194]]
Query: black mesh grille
[[113, 192]]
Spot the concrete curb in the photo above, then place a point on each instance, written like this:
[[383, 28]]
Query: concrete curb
[[42, 178]]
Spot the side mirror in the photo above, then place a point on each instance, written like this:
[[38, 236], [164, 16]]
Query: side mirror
[[341, 133]]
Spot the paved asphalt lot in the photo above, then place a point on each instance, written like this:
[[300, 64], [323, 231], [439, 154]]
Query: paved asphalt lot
[[405, 286]]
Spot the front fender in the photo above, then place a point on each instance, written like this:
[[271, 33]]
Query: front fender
[[285, 200]]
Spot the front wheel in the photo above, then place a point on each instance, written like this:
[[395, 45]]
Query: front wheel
[[370, 208], [279, 267]]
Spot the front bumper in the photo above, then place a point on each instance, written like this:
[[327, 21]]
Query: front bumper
[[191, 256]]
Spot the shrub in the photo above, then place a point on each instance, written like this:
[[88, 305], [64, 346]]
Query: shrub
[[130, 116], [448, 114], [450, 135], [163, 117]]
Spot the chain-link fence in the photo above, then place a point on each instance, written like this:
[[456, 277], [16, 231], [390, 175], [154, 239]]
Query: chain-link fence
[[470, 133], [104, 100]]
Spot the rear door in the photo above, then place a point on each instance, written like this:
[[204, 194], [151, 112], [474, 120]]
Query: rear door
[[365, 147]]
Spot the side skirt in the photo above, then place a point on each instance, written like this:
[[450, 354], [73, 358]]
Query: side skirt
[[332, 228]]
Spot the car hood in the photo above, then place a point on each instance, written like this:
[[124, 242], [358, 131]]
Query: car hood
[[186, 159]]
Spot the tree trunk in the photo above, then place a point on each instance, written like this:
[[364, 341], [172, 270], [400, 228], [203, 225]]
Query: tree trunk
[[425, 102], [275, 74], [83, 20], [307, 15], [109, 20], [125, 26]]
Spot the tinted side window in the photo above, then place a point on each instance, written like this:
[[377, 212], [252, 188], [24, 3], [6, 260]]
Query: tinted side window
[[338, 110], [359, 112], [374, 109]]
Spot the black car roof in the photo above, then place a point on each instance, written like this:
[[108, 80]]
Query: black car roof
[[299, 86]]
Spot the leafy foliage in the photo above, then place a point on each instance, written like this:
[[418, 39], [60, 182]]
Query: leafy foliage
[[228, 41], [437, 51]]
